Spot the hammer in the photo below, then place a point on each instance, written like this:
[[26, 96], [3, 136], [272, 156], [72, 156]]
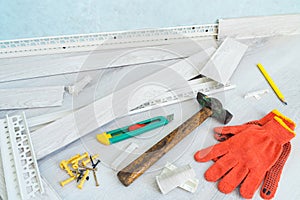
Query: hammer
[[211, 107]]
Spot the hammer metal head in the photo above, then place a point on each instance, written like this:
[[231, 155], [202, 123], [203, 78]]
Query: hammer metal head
[[221, 114]]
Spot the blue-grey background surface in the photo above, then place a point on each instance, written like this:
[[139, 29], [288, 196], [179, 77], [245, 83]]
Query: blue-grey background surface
[[38, 18]]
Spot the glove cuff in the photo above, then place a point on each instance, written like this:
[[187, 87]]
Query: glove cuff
[[290, 123], [281, 132]]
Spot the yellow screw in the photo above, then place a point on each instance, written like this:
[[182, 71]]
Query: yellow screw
[[63, 183], [64, 165], [75, 161]]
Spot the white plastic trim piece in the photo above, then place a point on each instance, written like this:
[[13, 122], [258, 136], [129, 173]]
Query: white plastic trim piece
[[3, 193], [204, 85], [49, 193], [257, 27], [190, 185], [47, 118], [34, 66], [79, 86], [224, 61], [36, 97], [189, 68], [207, 86], [22, 177], [129, 149], [256, 94], [89, 42], [174, 178]]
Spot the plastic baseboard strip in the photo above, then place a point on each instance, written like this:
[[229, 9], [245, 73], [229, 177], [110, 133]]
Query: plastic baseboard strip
[[36, 97], [225, 60], [13, 69], [21, 173], [90, 42], [240, 28], [257, 27], [3, 193], [204, 85], [207, 87]]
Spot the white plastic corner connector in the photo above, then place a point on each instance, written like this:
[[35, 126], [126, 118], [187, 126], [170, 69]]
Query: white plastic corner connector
[[256, 94], [172, 177], [76, 88]]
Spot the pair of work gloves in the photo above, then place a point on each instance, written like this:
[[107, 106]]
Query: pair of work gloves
[[249, 154]]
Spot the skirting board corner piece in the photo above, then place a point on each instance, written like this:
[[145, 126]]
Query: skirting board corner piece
[[172, 177]]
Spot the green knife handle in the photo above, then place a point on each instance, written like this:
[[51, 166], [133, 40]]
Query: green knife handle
[[123, 133]]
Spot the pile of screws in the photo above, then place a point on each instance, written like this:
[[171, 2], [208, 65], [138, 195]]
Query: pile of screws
[[76, 167]]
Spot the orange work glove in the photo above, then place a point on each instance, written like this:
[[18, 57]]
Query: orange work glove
[[246, 157], [272, 177], [225, 132]]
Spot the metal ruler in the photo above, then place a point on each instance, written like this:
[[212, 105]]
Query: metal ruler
[[21, 173], [90, 42]]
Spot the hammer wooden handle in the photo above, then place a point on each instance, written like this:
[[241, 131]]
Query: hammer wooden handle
[[147, 159]]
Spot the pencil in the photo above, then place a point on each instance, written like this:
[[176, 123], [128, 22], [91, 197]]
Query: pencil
[[271, 83]]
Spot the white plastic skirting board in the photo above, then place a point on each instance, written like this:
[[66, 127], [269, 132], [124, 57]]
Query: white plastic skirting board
[[157, 98], [185, 68], [90, 42], [225, 60], [49, 65], [22, 176], [248, 27], [3, 193], [165, 98], [87, 119], [49, 192], [256, 27], [90, 47], [46, 118], [31, 97]]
